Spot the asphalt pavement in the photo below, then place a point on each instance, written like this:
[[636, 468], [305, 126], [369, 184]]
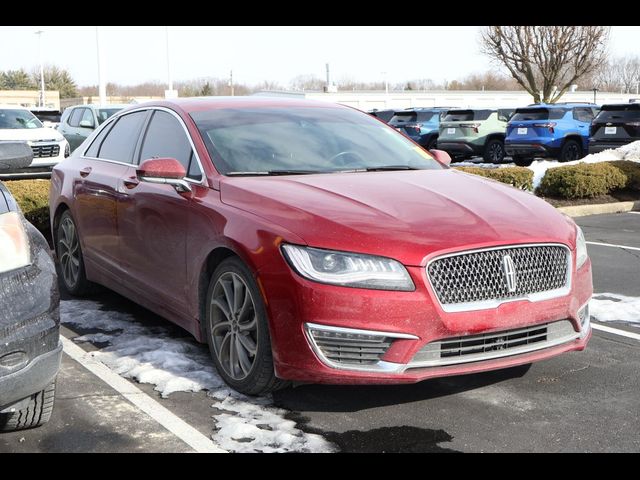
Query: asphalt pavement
[[578, 402]]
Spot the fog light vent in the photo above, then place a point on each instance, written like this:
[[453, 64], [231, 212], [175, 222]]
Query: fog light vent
[[345, 347]]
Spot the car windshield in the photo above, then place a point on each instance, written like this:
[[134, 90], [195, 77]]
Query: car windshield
[[524, 114], [18, 119], [104, 113], [286, 140], [624, 113]]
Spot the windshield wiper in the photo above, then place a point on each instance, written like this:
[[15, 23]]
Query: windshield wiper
[[385, 168], [273, 173]]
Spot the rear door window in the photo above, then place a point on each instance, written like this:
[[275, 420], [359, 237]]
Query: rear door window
[[467, 115], [583, 114], [403, 117]]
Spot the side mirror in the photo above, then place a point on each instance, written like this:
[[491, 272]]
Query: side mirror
[[168, 171], [15, 155], [87, 124], [441, 156]]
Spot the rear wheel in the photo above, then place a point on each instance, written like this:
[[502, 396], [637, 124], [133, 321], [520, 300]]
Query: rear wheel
[[37, 412], [521, 161], [570, 151], [431, 144], [494, 151], [70, 259], [238, 332]]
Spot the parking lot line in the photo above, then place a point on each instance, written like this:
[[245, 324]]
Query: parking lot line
[[635, 213], [613, 245], [181, 429], [615, 331]]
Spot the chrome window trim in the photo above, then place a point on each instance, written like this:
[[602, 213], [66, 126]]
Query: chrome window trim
[[489, 304], [113, 118], [381, 366]]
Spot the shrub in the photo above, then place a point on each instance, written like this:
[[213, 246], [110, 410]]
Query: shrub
[[631, 170], [518, 177], [33, 198], [585, 180]]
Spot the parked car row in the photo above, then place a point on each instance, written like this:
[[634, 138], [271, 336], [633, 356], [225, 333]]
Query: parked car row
[[564, 131]]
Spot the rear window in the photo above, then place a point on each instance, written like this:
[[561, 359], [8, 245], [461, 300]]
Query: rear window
[[403, 117], [467, 115], [426, 116], [524, 114], [619, 113]]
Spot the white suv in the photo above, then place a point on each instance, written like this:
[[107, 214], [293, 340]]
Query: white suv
[[48, 145]]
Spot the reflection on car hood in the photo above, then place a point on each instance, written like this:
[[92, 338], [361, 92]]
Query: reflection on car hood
[[33, 134], [404, 215]]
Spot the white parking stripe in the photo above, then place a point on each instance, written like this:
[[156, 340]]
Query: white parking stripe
[[615, 331], [181, 429], [625, 247], [635, 213]]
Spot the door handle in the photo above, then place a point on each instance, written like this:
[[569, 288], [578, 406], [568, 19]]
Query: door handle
[[85, 172], [131, 182]]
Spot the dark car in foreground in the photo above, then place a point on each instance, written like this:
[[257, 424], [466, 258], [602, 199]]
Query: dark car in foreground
[[616, 125], [308, 241], [30, 349]]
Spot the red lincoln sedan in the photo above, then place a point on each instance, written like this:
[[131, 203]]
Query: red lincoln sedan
[[308, 241]]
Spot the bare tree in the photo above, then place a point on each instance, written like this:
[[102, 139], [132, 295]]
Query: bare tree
[[485, 81], [307, 82], [546, 60], [621, 74]]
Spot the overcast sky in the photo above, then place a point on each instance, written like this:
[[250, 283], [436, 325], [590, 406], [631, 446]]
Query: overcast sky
[[137, 54]]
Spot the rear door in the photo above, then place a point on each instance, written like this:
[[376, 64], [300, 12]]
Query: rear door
[[97, 190], [583, 117], [153, 220]]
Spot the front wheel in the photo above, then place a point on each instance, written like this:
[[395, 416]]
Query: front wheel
[[238, 332], [37, 411], [521, 161], [494, 151]]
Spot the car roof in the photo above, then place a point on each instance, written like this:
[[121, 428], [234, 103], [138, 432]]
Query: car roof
[[93, 105], [562, 105], [199, 104]]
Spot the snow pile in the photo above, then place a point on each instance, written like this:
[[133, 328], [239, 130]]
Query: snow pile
[[630, 152], [252, 425], [612, 307], [153, 355]]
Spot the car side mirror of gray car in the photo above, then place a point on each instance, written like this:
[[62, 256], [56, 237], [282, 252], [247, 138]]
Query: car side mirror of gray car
[[15, 155], [87, 124]]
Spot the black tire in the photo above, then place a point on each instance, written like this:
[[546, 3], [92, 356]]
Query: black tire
[[36, 413], [79, 287], [494, 151], [431, 144], [260, 378], [521, 161], [571, 150]]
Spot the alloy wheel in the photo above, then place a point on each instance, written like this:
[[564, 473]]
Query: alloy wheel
[[69, 252], [496, 152], [234, 325]]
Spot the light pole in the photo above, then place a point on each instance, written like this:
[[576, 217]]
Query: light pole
[[102, 84], [595, 90], [39, 33], [386, 83], [169, 80]]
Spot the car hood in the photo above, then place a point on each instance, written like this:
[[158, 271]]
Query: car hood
[[406, 215], [31, 134]]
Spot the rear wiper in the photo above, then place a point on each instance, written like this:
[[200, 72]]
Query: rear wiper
[[273, 172], [385, 168]]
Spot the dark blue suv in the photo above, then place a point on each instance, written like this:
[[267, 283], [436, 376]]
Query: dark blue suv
[[422, 125], [558, 130]]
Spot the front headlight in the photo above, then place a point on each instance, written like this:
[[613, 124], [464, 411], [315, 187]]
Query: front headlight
[[348, 269], [581, 248], [14, 243]]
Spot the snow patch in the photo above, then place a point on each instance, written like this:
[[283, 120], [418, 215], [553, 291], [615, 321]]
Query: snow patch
[[153, 355], [612, 307]]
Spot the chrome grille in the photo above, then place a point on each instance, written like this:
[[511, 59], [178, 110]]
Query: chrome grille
[[487, 346], [45, 150], [479, 276]]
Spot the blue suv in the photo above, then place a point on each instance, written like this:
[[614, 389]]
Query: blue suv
[[559, 130], [421, 125]]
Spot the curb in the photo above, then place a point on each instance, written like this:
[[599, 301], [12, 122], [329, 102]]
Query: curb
[[599, 209]]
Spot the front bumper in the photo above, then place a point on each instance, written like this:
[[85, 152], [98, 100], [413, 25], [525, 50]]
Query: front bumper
[[29, 325], [416, 317]]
